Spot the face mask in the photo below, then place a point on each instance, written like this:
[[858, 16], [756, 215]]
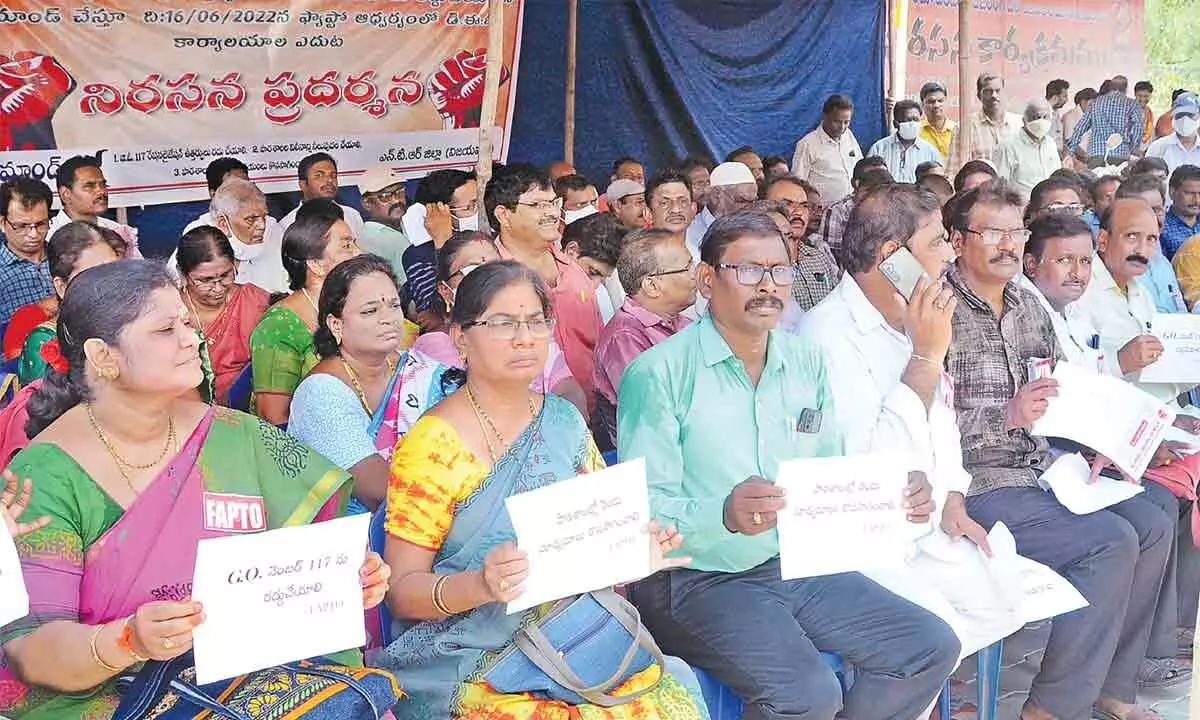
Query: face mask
[[467, 223], [1038, 128], [570, 216], [1185, 125], [241, 251], [909, 130]]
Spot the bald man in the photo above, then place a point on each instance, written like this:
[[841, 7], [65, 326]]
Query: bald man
[[1029, 156]]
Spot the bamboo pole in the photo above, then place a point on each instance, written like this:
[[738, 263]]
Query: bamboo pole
[[964, 81], [569, 119], [491, 93], [898, 53]]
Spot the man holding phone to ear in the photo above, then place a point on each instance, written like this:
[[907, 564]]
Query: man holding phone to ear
[[885, 330]]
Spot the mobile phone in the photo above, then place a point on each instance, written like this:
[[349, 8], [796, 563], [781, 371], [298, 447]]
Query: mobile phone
[[903, 271]]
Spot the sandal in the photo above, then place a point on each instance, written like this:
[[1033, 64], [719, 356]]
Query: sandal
[[1137, 712], [1158, 673]]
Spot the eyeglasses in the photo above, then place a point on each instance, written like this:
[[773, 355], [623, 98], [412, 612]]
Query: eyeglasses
[[993, 236], [389, 196], [544, 206], [29, 228], [1073, 208], [752, 273], [690, 267], [471, 208], [815, 208], [505, 327], [225, 278]]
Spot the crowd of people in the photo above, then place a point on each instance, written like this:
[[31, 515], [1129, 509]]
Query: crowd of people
[[427, 358]]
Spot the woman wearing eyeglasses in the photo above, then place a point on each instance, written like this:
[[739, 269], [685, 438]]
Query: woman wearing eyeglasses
[[449, 540], [224, 312]]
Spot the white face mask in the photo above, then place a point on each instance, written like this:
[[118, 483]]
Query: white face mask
[[909, 129], [570, 216], [241, 251], [1186, 125], [1038, 128], [466, 224]]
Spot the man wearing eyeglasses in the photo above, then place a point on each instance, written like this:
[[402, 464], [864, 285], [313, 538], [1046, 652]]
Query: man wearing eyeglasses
[[83, 190], [526, 214], [714, 409], [1114, 557], [24, 273], [384, 202], [658, 276]]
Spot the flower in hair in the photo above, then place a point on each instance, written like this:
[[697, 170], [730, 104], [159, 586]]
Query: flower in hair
[[52, 354]]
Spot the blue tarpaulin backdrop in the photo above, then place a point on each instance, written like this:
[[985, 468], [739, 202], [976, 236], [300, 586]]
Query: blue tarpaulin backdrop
[[658, 79]]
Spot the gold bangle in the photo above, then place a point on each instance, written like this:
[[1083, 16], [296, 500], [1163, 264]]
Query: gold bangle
[[922, 358], [96, 653], [438, 603]]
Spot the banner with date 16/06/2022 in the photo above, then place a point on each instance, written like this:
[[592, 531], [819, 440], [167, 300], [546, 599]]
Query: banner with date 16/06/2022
[[160, 90]]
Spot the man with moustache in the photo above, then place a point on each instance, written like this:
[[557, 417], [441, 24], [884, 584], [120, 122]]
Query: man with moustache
[[1114, 557], [383, 199], [83, 191], [525, 213], [989, 127], [318, 175], [580, 198], [658, 276], [24, 270], [1159, 279], [713, 410]]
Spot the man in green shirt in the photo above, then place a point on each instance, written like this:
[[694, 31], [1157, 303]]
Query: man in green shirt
[[714, 410], [384, 203]]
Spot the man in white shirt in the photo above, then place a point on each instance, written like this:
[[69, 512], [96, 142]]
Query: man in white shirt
[[731, 188], [826, 156], [1029, 155], [904, 150], [83, 191], [1180, 147], [239, 210], [989, 127], [217, 172], [319, 179], [884, 364]]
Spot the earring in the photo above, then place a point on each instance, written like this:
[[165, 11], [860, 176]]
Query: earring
[[337, 338], [109, 374]]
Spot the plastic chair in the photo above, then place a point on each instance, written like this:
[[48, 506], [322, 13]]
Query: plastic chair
[[987, 684], [724, 705], [238, 397]]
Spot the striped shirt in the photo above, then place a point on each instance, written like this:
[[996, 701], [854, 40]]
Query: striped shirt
[[420, 267], [902, 161]]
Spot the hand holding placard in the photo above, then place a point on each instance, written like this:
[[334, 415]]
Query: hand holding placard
[[258, 590], [1179, 361]]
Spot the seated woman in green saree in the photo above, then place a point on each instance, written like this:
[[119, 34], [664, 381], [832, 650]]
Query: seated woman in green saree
[[449, 538], [126, 466], [73, 248]]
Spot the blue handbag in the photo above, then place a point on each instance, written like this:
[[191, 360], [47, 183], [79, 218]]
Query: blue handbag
[[578, 653], [316, 689]]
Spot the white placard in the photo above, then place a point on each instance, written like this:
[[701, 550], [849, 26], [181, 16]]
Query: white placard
[[1043, 593], [279, 596], [1068, 478], [14, 598], [842, 514], [583, 534], [1106, 414], [1180, 361]]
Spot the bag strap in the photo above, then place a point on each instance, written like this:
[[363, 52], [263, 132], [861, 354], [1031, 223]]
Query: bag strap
[[309, 669], [537, 647]]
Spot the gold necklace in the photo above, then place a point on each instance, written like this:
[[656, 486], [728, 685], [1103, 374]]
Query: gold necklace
[[358, 389], [486, 424], [187, 296], [122, 464], [310, 301]]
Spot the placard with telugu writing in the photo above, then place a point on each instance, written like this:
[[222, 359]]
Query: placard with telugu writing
[[842, 514], [278, 596], [1180, 360], [14, 598], [1106, 414], [583, 534]]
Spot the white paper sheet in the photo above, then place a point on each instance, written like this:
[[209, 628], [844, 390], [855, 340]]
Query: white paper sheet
[[1183, 436], [1068, 478], [1180, 361], [1106, 414], [842, 514], [279, 596], [1043, 593], [14, 599], [583, 534]]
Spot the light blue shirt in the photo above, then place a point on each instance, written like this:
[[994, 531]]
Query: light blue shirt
[[1161, 282], [688, 407], [902, 161]]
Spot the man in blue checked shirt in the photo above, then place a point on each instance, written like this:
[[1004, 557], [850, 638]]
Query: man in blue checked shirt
[[24, 272], [1113, 113]]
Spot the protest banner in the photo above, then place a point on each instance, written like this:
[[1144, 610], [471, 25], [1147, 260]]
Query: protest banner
[[1027, 44], [258, 589], [163, 89], [582, 534], [1180, 359]]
